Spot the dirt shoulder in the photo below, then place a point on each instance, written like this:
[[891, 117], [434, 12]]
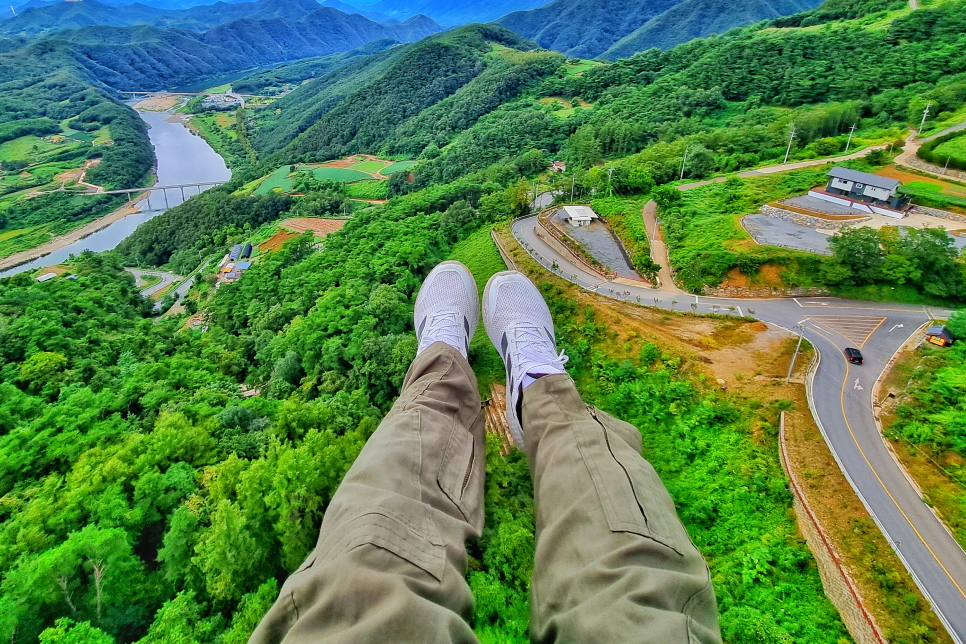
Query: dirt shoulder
[[66, 240]]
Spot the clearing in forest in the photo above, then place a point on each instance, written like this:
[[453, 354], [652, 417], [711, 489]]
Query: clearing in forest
[[319, 227], [356, 170]]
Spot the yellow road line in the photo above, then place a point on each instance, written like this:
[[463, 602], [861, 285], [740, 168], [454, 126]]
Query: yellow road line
[[848, 370]]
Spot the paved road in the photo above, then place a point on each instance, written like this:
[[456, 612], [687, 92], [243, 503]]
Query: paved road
[[166, 280], [842, 406]]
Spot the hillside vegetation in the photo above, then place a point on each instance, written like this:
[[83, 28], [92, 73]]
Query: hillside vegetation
[[612, 29]]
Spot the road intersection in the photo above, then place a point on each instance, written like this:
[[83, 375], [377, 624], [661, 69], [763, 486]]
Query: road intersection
[[840, 395]]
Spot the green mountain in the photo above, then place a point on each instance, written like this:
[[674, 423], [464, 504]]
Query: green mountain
[[153, 58], [616, 28], [700, 18], [374, 102], [318, 23]]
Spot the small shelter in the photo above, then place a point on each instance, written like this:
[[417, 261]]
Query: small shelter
[[939, 335], [235, 252], [578, 216], [247, 252]]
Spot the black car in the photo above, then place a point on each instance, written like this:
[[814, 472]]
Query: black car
[[854, 356]]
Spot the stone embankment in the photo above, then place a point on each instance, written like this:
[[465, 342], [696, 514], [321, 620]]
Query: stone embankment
[[806, 220], [941, 214], [914, 161]]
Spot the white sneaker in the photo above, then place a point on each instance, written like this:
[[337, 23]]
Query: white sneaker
[[447, 308], [519, 325]]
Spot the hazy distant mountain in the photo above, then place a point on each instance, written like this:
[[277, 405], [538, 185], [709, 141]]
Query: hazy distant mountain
[[614, 28], [699, 18], [84, 13], [153, 58], [345, 7], [450, 12]]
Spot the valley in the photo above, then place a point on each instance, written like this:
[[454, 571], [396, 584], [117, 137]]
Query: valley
[[169, 445]]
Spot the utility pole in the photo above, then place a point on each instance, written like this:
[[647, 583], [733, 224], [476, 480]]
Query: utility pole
[[684, 161], [801, 337], [947, 165], [610, 174], [925, 115], [573, 186], [849, 144], [790, 140]]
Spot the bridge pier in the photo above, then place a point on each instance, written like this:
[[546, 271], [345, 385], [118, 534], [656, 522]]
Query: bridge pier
[[164, 191]]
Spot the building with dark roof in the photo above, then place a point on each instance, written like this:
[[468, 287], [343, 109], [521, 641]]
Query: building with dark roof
[[247, 252], [867, 188], [235, 252]]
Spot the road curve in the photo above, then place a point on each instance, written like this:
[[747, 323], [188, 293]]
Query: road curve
[[166, 280], [841, 396]]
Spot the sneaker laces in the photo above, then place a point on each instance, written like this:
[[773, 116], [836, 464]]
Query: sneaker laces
[[532, 348], [445, 326]]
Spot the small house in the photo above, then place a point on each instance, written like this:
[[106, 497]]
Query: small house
[[940, 336], [234, 275], [46, 277], [867, 188], [579, 216], [243, 266], [558, 166]]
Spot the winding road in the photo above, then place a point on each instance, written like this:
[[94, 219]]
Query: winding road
[[841, 399]]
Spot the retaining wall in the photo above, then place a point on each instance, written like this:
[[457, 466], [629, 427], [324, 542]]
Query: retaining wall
[[836, 580], [942, 214], [805, 220]]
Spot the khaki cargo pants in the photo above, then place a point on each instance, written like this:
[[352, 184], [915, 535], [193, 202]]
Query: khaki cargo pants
[[613, 562]]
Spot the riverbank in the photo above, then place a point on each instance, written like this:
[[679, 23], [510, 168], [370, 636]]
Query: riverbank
[[72, 237], [182, 159]]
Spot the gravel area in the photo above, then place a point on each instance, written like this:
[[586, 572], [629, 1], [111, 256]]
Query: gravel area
[[601, 243]]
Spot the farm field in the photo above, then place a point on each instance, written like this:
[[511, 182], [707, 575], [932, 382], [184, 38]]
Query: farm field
[[342, 175], [365, 175], [277, 179], [397, 167], [319, 227], [369, 166]]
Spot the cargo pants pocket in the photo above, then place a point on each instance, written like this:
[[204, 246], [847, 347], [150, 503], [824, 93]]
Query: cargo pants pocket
[[631, 493]]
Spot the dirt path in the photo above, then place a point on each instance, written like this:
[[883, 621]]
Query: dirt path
[[659, 250], [66, 240]]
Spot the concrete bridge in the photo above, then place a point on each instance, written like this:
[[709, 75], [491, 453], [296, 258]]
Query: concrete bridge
[[130, 192]]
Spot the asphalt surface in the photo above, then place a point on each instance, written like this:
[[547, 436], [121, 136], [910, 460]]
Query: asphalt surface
[[166, 279], [841, 398], [778, 232]]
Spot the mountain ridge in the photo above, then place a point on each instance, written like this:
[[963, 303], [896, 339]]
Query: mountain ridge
[[610, 29]]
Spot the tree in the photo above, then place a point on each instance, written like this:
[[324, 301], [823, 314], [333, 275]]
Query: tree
[[858, 249]]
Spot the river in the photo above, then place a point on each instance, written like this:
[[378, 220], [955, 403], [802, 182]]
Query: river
[[182, 157]]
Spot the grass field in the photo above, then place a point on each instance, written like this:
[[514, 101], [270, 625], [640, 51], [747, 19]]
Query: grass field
[[25, 148], [14, 241], [369, 166], [344, 175], [397, 167], [276, 180], [368, 189], [954, 149], [480, 254], [580, 66], [933, 195]]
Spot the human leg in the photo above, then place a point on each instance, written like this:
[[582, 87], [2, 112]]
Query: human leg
[[390, 561], [613, 561]]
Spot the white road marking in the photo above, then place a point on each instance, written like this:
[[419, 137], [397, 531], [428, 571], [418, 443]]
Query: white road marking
[[858, 386], [898, 326]]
